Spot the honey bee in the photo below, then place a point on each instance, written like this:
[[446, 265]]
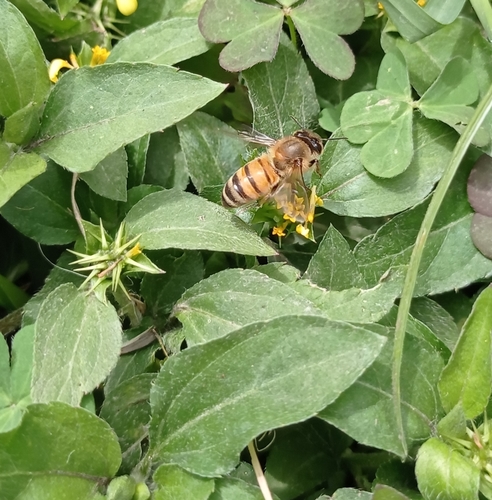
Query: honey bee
[[276, 174]]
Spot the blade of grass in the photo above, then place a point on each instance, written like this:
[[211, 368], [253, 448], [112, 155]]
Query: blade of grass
[[411, 277]]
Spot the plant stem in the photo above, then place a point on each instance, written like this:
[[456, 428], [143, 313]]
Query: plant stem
[[260, 477], [292, 31], [483, 9], [75, 207], [411, 277]]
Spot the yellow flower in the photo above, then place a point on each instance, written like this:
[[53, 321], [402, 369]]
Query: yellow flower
[[289, 218], [127, 7], [279, 231], [99, 55], [136, 250], [55, 67], [421, 3], [304, 231]]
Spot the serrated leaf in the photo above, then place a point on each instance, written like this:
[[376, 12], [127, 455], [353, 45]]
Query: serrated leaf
[[281, 90], [23, 74], [467, 378], [450, 260], [212, 150], [348, 189], [252, 28], [174, 482], [77, 343], [319, 23], [17, 170], [163, 42], [41, 209], [109, 177], [366, 410], [119, 103], [411, 21], [205, 435], [234, 298], [55, 444], [333, 266], [445, 474], [174, 219]]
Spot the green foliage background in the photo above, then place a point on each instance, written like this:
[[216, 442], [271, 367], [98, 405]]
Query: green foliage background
[[356, 364]]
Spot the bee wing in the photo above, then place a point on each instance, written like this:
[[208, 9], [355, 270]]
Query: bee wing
[[255, 137], [292, 195]]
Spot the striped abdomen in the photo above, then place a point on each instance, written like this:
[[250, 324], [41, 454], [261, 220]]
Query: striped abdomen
[[252, 182]]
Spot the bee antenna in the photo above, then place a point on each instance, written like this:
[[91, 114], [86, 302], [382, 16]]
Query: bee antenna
[[334, 139], [293, 118]]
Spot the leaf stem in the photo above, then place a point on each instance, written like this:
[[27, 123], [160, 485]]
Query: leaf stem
[[411, 277], [260, 477], [75, 207], [483, 9], [292, 31]]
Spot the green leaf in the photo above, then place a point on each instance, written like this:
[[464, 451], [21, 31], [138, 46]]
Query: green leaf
[[12, 297], [108, 179], [384, 492], [23, 125], [252, 28], [161, 291], [38, 13], [57, 446], [313, 442], [65, 6], [23, 74], [119, 102], [444, 11], [444, 474], [229, 488], [41, 209], [450, 260], [16, 381], [383, 119], [166, 165], [319, 23], [234, 298], [279, 271], [350, 494], [348, 189], [174, 219], [467, 378], [137, 158], [212, 150], [447, 99], [365, 411], [411, 21], [333, 266], [205, 435], [174, 482], [16, 170], [437, 319], [127, 411], [77, 343], [163, 42], [281, 90]]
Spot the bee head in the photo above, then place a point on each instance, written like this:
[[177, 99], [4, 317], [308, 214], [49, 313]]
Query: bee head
[[311, 139]]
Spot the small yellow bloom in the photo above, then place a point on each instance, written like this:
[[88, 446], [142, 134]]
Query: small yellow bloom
[[319, 201], [55, 66], [136, 250], [289, 218], [421, 3], [304, 231], [279, 231], [127, 7], [380, 6], [99, 55]]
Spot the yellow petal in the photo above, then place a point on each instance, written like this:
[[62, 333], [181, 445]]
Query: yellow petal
[[127, 7], [279, 230], [99, 55], [55, 66], [421, 3], [304, 231]]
